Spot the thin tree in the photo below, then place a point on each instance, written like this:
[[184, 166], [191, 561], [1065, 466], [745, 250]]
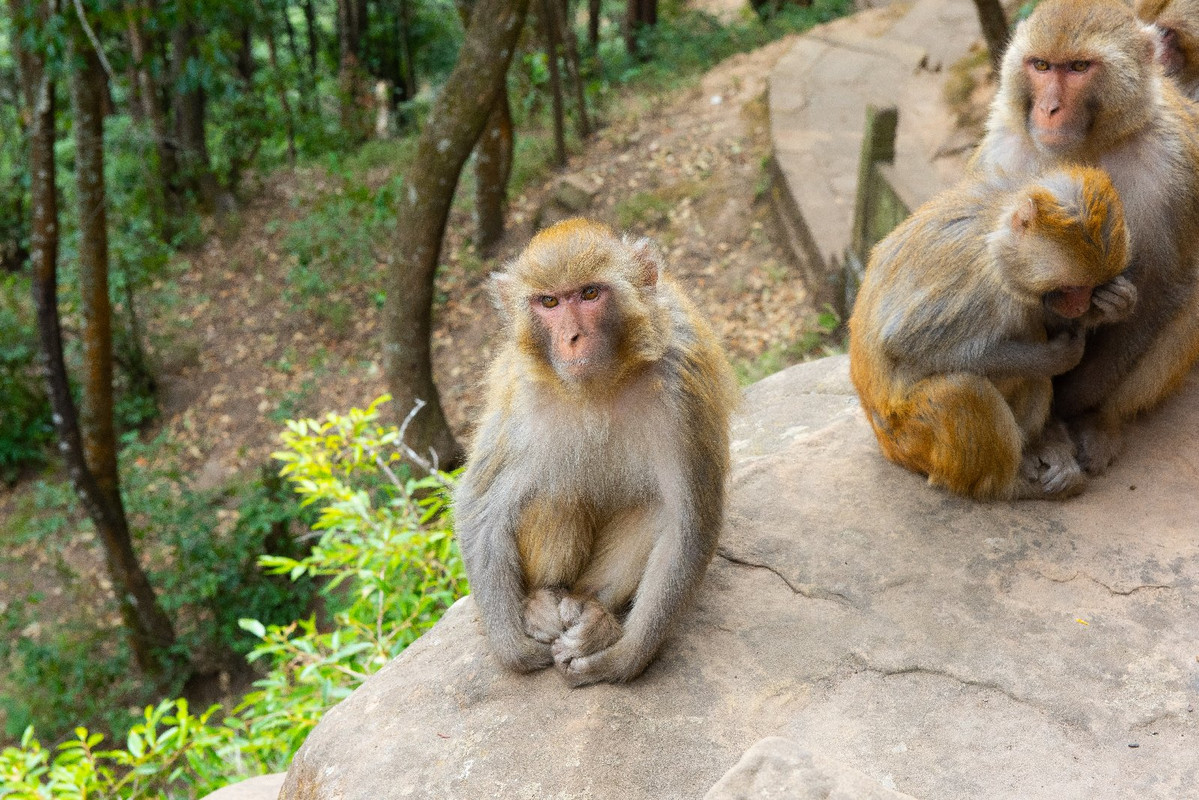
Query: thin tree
[[493, 162], [454, 125], [277, 79], [89, 456], [550, 29], [570, 42], [593, 24], [638, 14], [190, 108], [166, 193], [995, 29]]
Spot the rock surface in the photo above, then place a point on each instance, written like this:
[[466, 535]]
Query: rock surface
[[264, 787], [819, 91], [944, 648], [779, 768]]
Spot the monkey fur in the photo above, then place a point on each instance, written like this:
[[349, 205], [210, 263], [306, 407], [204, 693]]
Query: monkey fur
[[1079, 85], [1176, 36], [593, 495], [966, 312]]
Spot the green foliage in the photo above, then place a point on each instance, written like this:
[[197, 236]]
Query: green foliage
[[819, 340], [389, 568], [25, 421], [205, 547]]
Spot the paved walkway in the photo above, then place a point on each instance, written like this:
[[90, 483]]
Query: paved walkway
[[818, 94]]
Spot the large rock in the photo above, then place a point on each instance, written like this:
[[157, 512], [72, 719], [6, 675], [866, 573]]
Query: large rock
[[941, 647]]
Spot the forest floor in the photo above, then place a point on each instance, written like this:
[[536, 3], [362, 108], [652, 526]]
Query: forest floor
[[687, 169]]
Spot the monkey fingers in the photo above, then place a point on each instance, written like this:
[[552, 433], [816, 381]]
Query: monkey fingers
[[542, 620], [1115, 299]]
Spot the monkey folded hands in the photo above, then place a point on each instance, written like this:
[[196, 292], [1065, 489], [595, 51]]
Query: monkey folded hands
[[593, 495], [966, 313]]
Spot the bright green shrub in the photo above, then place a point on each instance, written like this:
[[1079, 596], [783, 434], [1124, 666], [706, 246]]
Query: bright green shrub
[[389, 568]]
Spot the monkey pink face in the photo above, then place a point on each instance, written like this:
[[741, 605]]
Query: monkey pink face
[[576, 330], [1062, 103], [1070, 302]]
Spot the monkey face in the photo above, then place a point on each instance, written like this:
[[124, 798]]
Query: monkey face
[[1060, 114], [575, 330]]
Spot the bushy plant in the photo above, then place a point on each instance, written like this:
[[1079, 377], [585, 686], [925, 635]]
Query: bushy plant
[[25, 421], [389, 568]]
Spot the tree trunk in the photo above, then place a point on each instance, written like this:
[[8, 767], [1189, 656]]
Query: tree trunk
[[493, 161], [409, 71], [314, 43], [561, 9], [194, 163], [350, 78], [455, 124], [493, 167], [995, 29], [638, 14], [167, 194], [149, 630], [593, 24], [546, 18]]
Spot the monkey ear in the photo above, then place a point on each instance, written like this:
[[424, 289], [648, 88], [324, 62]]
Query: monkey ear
[[1024, 215], [503, 291], [648, 259]]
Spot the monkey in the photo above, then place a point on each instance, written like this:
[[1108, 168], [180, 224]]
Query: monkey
[[966, 312], [1175, 27], [1079, 85], [592, 499]]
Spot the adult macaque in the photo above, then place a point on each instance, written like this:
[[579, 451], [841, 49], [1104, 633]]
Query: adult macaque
[[1079, 85], [967, 311], [593, 495], [1176, 35]]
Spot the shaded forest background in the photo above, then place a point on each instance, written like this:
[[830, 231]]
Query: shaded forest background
[[206, 199]]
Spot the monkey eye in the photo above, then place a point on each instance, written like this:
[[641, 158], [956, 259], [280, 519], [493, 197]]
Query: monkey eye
[[590, 292], [1040, 65], [1080, 66], [548, 301]]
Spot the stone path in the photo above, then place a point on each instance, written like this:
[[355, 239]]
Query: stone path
[[895, 55]]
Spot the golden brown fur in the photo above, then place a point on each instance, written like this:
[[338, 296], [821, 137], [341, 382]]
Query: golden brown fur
[[1145, 135], [594, 490], [950, 339]]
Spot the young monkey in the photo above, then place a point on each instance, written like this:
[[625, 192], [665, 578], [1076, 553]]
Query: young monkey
[[967, 311], [593, 495]]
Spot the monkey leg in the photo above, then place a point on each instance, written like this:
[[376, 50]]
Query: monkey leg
[[1158, 373], [618, 557], [1050, 465], [959, 430], [590, 628]]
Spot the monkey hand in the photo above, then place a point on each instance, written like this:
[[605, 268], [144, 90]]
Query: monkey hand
[[1114, 301], [1063, 352], [542, 620]]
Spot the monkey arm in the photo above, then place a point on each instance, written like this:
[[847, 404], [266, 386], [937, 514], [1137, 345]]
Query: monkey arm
[[992, 358], [487, 510], [1113, 350]]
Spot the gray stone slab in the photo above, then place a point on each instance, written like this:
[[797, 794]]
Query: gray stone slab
[[943, 648], [818, 94], [264, 787]]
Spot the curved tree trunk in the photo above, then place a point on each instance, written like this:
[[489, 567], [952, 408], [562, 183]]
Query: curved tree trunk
[[455, 124]]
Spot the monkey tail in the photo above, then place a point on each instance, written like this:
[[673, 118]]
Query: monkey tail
[[959, 431]]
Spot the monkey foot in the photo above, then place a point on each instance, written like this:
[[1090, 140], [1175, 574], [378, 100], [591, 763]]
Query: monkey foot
[[542, 620], [1098, 445], [590, 628]]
